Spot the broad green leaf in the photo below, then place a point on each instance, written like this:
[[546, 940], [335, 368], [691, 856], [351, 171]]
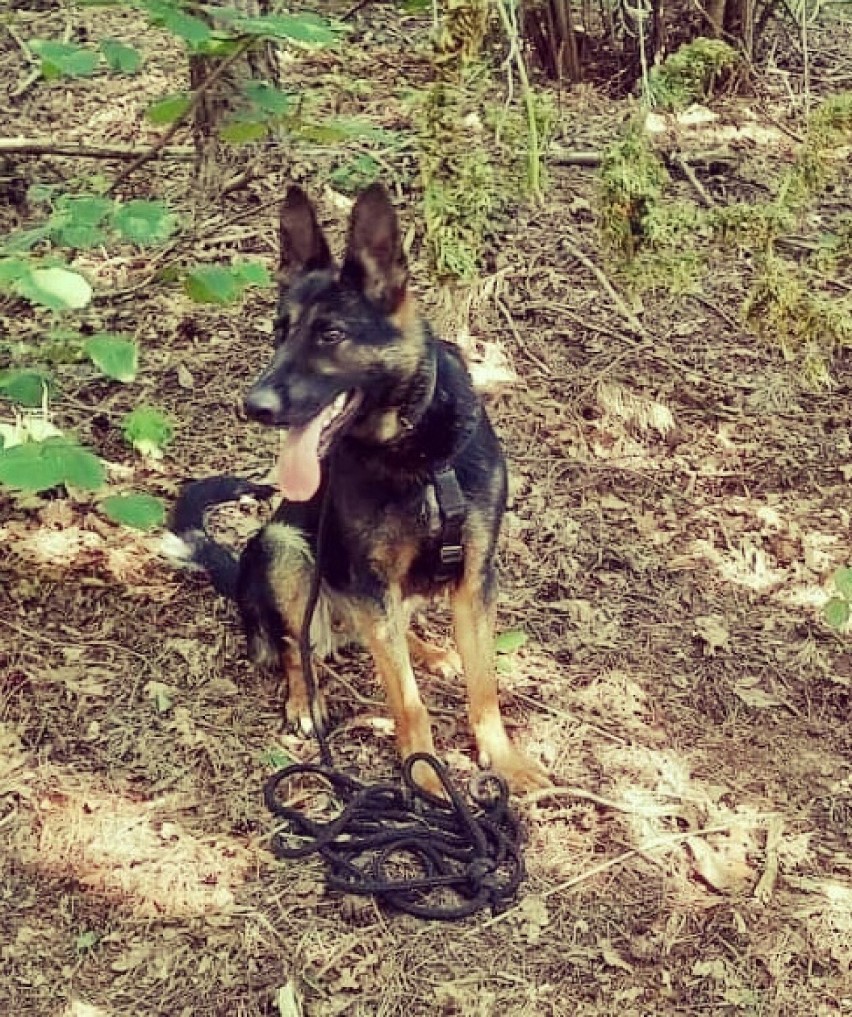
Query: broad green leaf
[[41, 465], [144, 222], [80, 468], [186, 26], [843, 582], [121, 58], [141, 511], [243, 132], [63, 59], [24, 387], [147, 429], [836, 612], [306, 28], [416, 6], [252, 273], [76, 223], [212, 284], [79, 236], [270, 100], [166, 111], [116, 356], [27, 468], [509, 642], [20, 241], [57, 288], [89, 210], [12, 269]]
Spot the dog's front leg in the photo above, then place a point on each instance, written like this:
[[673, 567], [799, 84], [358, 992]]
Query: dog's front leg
[[384, 628], [473, 620]]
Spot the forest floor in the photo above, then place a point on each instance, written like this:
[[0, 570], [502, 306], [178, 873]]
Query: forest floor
[[680, 501]]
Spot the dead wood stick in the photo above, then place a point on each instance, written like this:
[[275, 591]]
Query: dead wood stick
[[600, 275], [44, 146], [691, 176]]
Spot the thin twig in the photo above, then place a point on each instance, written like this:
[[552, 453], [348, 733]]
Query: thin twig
[[610, 863], [607, 803], [706, 199], [599, 274], [513, 328]]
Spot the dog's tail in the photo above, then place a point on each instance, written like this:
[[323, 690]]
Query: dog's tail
[[189, 542]]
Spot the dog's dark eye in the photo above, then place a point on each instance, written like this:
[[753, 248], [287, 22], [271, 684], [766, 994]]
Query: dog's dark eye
[[331, 337]]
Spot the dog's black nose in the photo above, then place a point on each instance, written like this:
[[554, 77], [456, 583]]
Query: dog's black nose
[[263, 405]]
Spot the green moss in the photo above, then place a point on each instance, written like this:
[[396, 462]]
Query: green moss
[[661, 245], [786, 307], [688, 74], [632, 181]]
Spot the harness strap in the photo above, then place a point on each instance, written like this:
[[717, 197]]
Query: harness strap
[[452, 512]]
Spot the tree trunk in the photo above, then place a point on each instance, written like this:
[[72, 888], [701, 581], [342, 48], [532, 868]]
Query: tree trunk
[[215, 160]]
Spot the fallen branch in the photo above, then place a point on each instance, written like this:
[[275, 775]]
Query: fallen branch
[[614, 295], [573, 157], [657, 843], [705, 198], [74, 149]]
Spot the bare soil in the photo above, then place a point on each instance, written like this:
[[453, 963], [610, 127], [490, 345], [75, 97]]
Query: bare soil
[[680, 501]]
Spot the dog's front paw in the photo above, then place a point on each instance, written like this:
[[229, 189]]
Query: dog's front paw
[[302, 718], [520, 772]]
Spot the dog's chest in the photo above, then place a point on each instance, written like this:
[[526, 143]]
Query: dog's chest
[[394, 541]]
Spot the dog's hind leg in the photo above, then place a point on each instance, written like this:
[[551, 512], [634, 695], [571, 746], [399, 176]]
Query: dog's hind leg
[[474, 630], [280, 581]]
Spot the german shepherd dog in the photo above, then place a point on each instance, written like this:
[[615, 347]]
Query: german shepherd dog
[[370, 406]]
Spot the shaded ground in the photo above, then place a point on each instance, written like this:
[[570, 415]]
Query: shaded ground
[[679, 503]]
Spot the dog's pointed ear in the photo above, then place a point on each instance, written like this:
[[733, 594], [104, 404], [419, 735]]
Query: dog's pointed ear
[[303, 244], [374, 261]]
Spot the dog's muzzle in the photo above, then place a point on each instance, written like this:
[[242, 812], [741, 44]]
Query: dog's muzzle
[[263, 404]]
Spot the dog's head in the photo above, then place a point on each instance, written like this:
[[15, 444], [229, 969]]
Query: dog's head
[[347, 341]]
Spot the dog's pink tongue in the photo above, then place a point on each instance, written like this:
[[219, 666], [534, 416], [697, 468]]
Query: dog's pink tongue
[[298, 469]]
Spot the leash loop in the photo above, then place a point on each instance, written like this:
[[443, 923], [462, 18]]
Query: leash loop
[[427, 856]]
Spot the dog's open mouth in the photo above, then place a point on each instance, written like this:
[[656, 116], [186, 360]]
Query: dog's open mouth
[[303, 448]]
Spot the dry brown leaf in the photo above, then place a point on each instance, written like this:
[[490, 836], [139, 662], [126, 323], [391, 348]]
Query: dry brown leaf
[[712, 630]]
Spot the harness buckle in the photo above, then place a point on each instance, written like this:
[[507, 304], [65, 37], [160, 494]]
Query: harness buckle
[[451, 555]]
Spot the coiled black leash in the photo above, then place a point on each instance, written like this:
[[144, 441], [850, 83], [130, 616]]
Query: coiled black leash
[[465, 858], [465, 855]]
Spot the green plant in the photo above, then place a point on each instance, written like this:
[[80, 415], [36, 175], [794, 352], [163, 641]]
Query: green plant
[[787, 307], [139, 511], [148, 430], [838, 609], [689, 73], [632, 179], [664, 245]]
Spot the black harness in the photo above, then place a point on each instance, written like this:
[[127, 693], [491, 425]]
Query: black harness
[[452, 512]]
